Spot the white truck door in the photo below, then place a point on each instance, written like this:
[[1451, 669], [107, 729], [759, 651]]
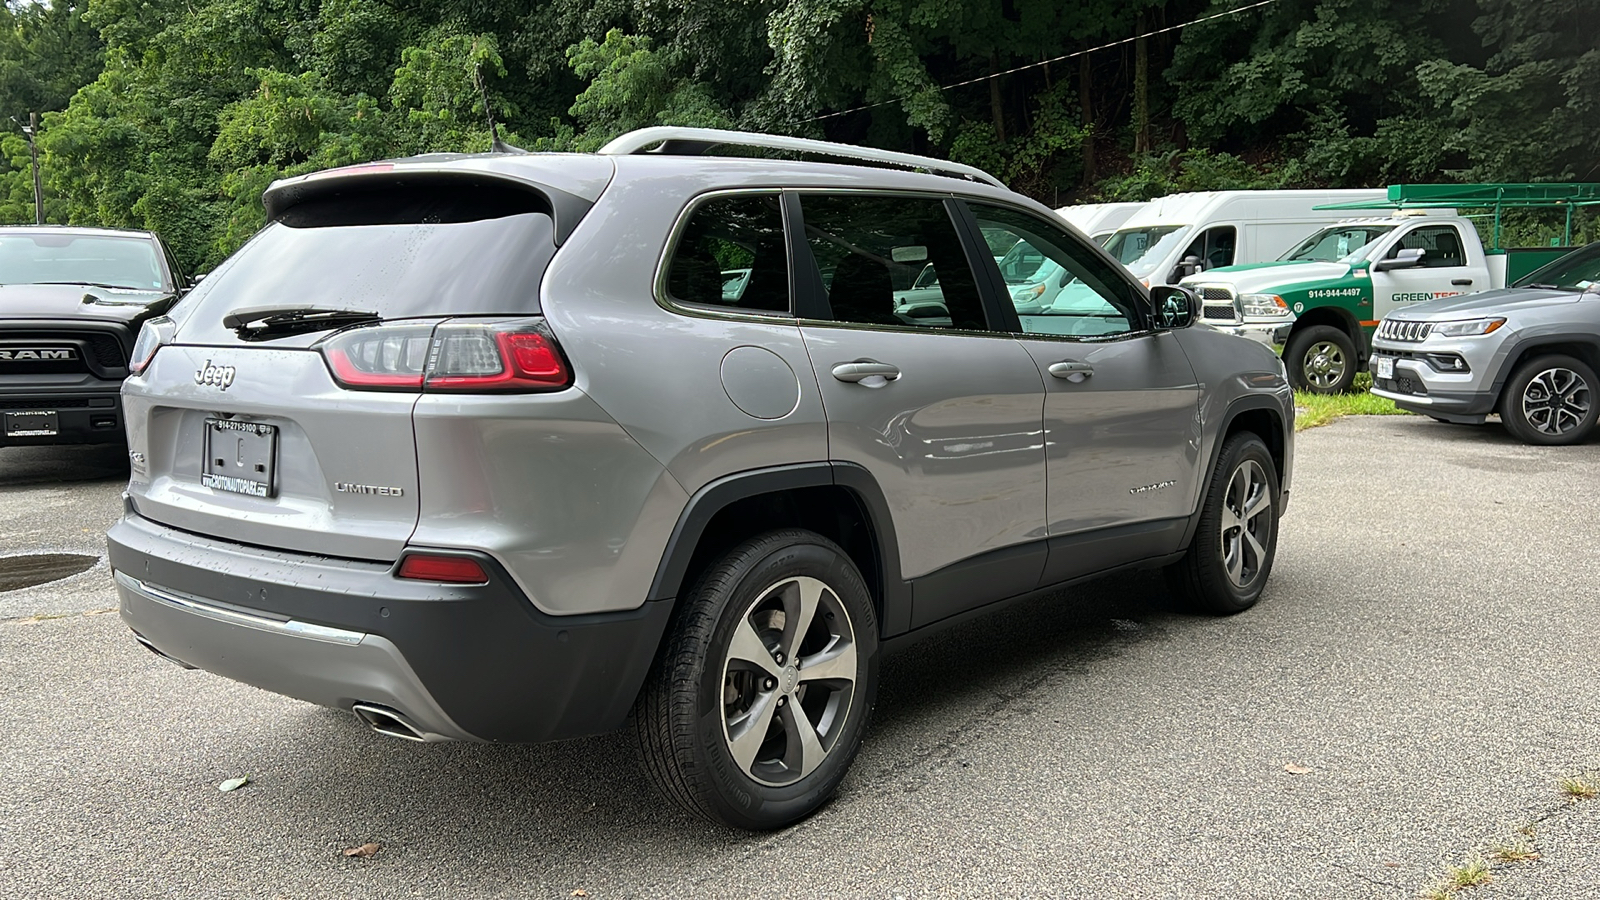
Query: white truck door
[[1452, 263]]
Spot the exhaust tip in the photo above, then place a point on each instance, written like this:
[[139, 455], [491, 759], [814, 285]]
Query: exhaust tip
[[168, 657], [386, 721]]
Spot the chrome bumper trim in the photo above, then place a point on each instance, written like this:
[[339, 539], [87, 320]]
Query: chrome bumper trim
[[209, 610]]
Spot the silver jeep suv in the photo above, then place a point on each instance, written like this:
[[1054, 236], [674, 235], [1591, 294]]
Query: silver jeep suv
[[509, 447], [1528, 352]]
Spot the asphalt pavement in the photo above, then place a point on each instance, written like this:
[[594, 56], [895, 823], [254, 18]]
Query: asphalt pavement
[[1408, 695]]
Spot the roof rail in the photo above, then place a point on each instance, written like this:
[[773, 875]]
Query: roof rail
[[696, 141]]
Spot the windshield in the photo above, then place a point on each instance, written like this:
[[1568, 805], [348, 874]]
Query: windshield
[[119, 262], [1339, 243], [1577, 271], [1142, 249]]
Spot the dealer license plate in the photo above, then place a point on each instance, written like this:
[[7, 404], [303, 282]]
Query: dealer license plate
[[32, 423], [1385, 366], [240, 457]]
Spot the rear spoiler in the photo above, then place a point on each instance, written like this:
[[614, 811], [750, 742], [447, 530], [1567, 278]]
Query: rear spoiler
[[366, 182]]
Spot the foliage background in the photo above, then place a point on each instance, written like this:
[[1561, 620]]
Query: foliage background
[[175, 114]]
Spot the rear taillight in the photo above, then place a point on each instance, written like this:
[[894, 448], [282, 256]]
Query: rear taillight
[[461, 356], [152, 337], [448, 569]]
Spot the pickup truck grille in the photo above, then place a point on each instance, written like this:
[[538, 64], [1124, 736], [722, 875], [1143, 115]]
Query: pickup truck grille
[[95, 351], [1217, 304], [1401, 330]]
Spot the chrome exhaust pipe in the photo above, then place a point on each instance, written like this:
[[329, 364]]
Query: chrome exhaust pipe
[[386, 721], [152, 648]]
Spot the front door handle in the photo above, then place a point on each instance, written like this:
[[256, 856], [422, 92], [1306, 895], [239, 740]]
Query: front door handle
[[865, 368], [1461, 282], [1071, 370]]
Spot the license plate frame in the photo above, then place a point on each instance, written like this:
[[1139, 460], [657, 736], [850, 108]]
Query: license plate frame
[[1383, 367], [32, 423], [240, 458]]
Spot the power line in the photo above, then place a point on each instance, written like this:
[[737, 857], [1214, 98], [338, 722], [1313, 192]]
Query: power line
[[1117, 43]]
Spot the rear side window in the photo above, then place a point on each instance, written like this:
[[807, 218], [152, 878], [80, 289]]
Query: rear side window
[[891, 260], [400, 253], [732, 254]]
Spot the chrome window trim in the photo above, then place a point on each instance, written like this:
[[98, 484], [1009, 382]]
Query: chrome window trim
[[664, 298]]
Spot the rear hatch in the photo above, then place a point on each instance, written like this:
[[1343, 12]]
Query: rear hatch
[[277, 409]]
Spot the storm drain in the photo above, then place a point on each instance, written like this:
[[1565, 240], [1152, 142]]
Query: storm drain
[[29, 569]]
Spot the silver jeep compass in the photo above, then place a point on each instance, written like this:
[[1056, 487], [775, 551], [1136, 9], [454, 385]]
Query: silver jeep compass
[[518, 447]]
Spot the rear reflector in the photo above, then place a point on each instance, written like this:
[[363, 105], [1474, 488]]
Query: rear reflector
[[449, 569]]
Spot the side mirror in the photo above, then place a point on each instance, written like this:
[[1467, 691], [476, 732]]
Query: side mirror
[[1175, 307], [1188, 266], [1405, 259]]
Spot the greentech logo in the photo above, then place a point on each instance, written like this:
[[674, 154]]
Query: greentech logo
[[1422, 295]]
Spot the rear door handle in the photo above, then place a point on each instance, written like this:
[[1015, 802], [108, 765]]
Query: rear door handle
[[865, 368], [1071, 370], [1461, 281]]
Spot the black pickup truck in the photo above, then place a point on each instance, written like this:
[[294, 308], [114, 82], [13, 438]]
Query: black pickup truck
[[71, 303]]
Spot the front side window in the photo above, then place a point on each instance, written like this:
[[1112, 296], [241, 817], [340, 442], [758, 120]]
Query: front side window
[[92, 260], [1441, 245], [894, 261], [732, 254], [1072, 292], [1214, 248]]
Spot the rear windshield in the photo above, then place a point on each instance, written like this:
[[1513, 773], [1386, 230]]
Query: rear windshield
[[118, 262], [441, 262]]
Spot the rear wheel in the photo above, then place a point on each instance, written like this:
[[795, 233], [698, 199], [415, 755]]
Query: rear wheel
[[1550, 400], [1231, 553], [1321, 359], [758, 702]]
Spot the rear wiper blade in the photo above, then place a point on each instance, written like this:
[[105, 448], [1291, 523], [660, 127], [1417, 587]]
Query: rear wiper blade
[[261, 322]]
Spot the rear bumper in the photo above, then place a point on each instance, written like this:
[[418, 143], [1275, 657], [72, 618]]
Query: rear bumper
[[459, 662], [82, 416]]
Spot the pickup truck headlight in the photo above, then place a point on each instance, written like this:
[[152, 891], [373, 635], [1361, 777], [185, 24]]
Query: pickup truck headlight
[[1466, 327], [1264, 305]]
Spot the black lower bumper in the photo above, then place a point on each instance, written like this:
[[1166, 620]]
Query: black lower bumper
[[474, 662], [80, 417]]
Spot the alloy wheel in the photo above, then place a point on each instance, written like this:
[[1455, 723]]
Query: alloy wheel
[[788, 680], [1324, 364], [1556, 401], [1246, 523]]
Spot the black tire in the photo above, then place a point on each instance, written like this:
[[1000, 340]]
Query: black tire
[[1550, 400], [703, 686], [1205, 579], [1321, 359]]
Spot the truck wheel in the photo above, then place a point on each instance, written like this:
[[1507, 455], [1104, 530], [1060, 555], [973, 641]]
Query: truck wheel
[[1321, 359], [1550, 400], [758, 701], [1231, 554]]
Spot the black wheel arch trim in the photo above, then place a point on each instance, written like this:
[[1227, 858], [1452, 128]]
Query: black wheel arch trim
[[1518, 348], [1240, 405], [712, 498]]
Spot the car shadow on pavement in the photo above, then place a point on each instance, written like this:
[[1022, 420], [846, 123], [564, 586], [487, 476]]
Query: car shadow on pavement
[[588, 799], [69, 463]]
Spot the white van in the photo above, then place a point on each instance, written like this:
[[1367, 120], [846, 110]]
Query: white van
[[1098, 220], [1182, 234]]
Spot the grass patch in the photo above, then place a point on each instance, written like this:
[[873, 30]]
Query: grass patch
[[1579, 788], [1312, 410], [1472, 873], [1515, 852]]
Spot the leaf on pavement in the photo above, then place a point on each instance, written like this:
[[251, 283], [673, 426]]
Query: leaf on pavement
[[233, 784], [363, 851], [580, 892], [1296, 769]]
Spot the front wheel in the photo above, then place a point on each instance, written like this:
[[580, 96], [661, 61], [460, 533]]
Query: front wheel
[[1321, 359], [1231, 554], [1550, 400], [758, 702]]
